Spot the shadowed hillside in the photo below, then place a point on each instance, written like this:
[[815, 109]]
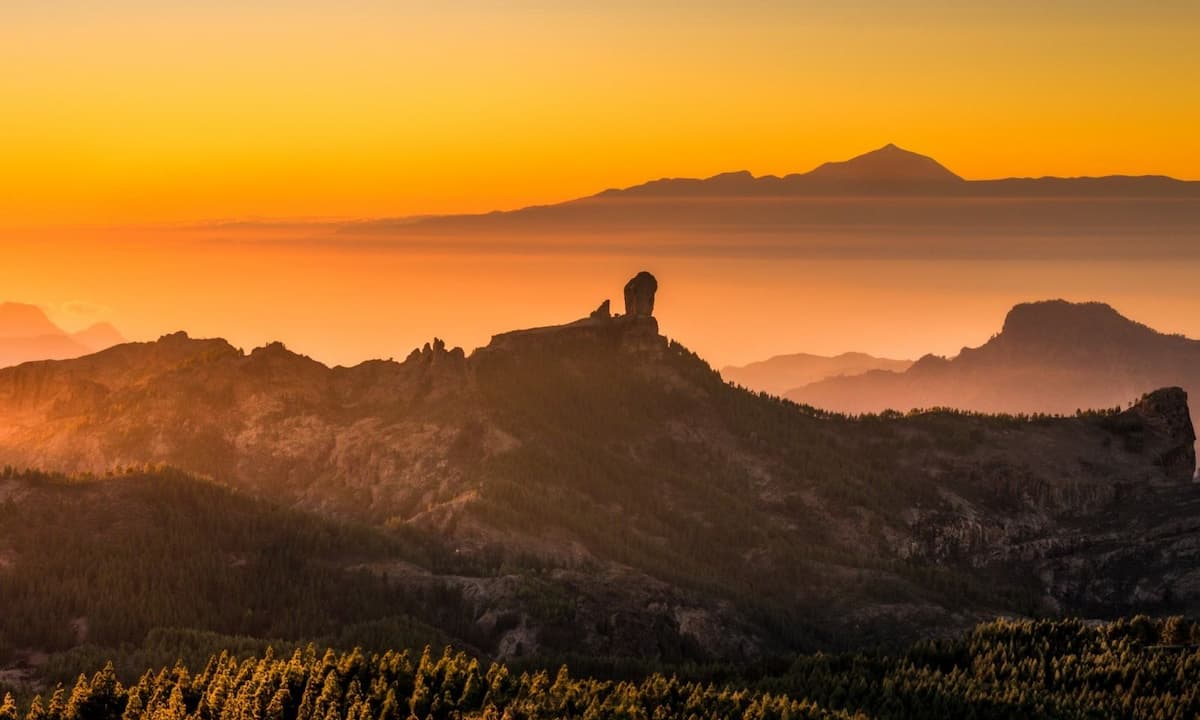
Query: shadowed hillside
[[658, 512]]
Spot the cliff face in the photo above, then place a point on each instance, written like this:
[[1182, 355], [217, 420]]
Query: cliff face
[[665, 503]]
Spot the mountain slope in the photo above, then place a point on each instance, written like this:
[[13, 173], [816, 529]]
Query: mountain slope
[[174, 552], [1050, 357], [781, 373], [668, 514]]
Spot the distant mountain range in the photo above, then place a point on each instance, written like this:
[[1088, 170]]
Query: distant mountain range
[[889, 203], [894, 170], [779, 374], [592, 489], [1049, 357], [27, 334]]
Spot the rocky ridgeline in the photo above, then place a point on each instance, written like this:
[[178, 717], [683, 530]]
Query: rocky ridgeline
[[635, 332], [630, 469]]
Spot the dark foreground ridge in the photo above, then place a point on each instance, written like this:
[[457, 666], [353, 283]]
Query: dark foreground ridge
[[589, 489]]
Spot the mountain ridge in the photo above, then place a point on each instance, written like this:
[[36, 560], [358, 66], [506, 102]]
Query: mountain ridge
[[1049, 356], [667, 504], [894, 170]]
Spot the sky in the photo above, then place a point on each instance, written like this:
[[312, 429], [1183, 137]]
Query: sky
[[136, 111], [127, 124]]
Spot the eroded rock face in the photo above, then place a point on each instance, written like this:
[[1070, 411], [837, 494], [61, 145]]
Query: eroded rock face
[[639, 295], [1161, 426]]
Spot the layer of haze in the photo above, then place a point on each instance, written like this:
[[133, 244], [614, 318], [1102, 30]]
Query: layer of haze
[[151, 116], [346, 303], [141, 110]]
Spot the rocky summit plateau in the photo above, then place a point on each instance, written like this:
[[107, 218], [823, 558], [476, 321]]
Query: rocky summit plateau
[[596, 489]]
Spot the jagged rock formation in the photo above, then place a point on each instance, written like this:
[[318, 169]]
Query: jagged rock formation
[[664, 505], [639, 295], [634, 332]]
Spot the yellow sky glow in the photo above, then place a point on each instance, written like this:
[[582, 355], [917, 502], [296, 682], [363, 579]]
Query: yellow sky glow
[[134, 111]]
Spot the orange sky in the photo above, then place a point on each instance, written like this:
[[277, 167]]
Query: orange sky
[[120, 116], [142, 110]]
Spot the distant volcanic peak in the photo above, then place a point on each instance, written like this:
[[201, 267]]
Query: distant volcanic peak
[[21, 320], [887, 164]]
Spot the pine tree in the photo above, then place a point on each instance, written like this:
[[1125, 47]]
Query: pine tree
[[37, 710], [8, 708]]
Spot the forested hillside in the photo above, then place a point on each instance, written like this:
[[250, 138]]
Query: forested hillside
[[105, 562]]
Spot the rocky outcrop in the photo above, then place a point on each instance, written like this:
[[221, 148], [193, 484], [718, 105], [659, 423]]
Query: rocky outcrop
[[635, 332], [1159, 426], [639, 295]]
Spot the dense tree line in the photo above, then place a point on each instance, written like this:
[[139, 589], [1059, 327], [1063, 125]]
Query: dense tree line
[[1137, 668], [107, 562]]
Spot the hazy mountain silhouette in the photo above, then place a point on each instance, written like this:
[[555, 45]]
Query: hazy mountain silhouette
[[675, 515], [887, 163], [1051, 356], [99, 336], [782, 373], [18, 320], [27, 334], [893, 169], [886, 203]]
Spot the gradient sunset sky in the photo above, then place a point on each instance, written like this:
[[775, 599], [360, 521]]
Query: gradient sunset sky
[[130, 111], [128, 124]]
